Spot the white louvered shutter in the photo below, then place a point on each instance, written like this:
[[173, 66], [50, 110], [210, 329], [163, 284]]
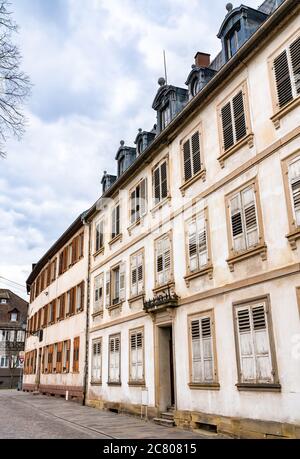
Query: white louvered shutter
[[262, 344], [134, 276], [192, 242], [294, 179], [167, 259], [250, 217], [160, 262], [107, 289], [136, 356], [140, 273], [122, 294], [202, 350], [187, 161], [114, 361], [143, 197], [295, 60], [196, 351], [202, 241], [237, 227], [97, 357]]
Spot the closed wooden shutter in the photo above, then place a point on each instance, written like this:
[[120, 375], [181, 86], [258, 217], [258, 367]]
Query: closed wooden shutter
[[43, 360], [122, 294], [250, 217], [114, 359], [76, 355], [164, 180], [107, 289], [137, 274], [294, 179], [133, 216], [195, 141], [59, 358], [203, 370], [136, 355], [239, 116], [283, 79], [237, 226], [295, 58], [96, 361], [50, 358], [156, 185], [187, 160], [68, 355], [134, 281], [228, 137], [163, 260], [254, 346]]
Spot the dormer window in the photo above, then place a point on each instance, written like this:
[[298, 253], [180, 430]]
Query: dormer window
[[3, 301], [121, 165], [165, 116], [13, 316], [195, 87], [233, 40], [140, 147]]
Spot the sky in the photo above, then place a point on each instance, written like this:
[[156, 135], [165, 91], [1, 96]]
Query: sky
[[94, 67]]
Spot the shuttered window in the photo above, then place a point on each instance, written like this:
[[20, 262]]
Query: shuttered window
[[203, 367], [115, 219], [76, 355], [107, 289], [137, 274], [294, 181], [136, 355], [286, 68], [66, 356], [197, 243], [98, 293], [254, 344], [163, 260], [234, 124], [80, 297], [138, 201], [191, 156], [244, 222], [99, 237], [160, 182], [96, 360], [114, 359]]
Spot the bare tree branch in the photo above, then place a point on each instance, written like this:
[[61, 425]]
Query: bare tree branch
[[15, 85]]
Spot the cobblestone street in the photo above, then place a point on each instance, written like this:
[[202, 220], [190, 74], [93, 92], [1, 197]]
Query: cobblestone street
[[26, 416]]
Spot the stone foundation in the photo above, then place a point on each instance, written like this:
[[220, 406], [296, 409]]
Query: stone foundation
[[119, 407], [75, 392]]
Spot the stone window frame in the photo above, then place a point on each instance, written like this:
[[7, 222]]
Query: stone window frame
[[261, 247], [264, 387], [294, 230], [249, 138], [214, 385], [279, 113], [133, 382]]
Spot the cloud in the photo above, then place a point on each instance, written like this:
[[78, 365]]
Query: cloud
[[94, 66]]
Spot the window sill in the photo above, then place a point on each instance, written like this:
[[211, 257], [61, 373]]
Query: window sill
[[161, 204], [191, 181], [117, 238], [164, 287], [208, 270], [96, 383], [135, 225], [293, 237], [98, 314], [284, 111], [258, 250], [137, 383], [246, 140], [204, 386], [114, 384], [259, 387], [99, 252], [136, 298], [112, 307]]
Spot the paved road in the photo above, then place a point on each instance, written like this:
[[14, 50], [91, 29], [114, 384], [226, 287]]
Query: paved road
[[26, 416]]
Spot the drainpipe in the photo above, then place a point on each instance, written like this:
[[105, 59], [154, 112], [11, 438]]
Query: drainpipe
[[86, 362]]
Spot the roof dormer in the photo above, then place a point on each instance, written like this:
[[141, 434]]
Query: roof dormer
[[125, 157], [238, 26], [169, 101], [200, 74], [144, 139], [107, 181]]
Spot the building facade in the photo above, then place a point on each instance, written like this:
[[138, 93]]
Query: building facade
[[192, 255], [56, 331], [13, 316]]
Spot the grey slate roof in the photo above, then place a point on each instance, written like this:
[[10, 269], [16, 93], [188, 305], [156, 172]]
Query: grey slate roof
[[269, 6]]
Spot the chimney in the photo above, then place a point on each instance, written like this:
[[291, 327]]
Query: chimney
[[202, 60]]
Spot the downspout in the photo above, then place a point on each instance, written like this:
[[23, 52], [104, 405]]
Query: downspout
[[87, 328]]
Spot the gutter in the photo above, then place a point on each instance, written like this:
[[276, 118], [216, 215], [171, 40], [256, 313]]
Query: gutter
[[165, 137], [87, 327]]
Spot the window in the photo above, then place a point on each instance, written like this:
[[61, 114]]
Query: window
[[61, 306], [244, 221], [115, 222], [59, 358], [195, 86], [20, 336], [14, 317], [11, 336], [98, 293], [163, 260], [191, 156], [137, 274], [76, 355], [96, 360], [71, 298], [234, 121], [114, 359], [197, 243], [3, 301], [99, 238], [66, 356], [286, 69], [54, 357], [138, 201], [253, 341], [80, 297], [53, 270], [165, 116], [203, 361], [121, 165], [4, 361], [118, 284], [160, 182], [233, 40], [52, 312], [70, 255], [294, 183], [136, 356]]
